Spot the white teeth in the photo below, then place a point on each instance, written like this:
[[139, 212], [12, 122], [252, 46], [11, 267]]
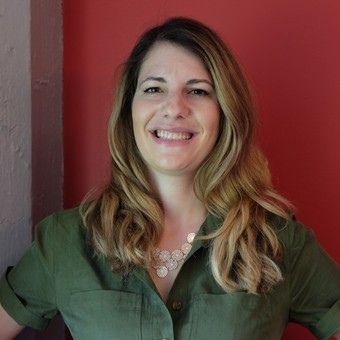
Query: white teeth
[[162, 134]]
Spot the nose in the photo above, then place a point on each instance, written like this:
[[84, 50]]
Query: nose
[[176, 106]]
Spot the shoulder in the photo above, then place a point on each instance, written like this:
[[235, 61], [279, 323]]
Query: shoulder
[[68, 219], [290, 232], [302, 252], [63, 227]]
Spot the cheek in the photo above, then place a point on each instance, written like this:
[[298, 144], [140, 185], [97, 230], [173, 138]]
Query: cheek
[[137, 134], [134, 108], [139, 112], [214, 126], [138, 126], [213, 120], [136, 117]]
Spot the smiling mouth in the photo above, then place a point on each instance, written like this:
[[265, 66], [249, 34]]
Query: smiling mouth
[[167, 135]]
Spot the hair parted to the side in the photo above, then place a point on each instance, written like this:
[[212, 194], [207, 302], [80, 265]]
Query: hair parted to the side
[[126, 221]]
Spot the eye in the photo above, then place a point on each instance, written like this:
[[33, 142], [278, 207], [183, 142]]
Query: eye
[[153, 90], [199, 92]]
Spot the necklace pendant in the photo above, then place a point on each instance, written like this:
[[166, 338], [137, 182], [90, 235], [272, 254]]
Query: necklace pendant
[[164, 256], [190, 237], [186, 247], [162, 271], [177, 255], [171, 264], [164, 261]]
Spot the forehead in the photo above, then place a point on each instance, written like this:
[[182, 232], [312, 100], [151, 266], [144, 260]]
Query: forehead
[[167, 56]]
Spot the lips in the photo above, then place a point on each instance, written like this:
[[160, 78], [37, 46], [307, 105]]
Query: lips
[[169, 135]]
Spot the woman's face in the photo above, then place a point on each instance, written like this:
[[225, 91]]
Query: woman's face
[[175, 111]]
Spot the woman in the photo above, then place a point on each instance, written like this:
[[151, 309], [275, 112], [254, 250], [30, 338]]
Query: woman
[[189, 237]]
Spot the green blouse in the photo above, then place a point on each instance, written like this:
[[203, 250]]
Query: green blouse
[[60, 275]]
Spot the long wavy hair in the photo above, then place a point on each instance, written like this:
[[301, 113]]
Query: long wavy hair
[[126, 221]]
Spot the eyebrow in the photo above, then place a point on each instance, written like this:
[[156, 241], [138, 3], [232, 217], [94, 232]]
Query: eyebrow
[[159, 79], [189, 82]]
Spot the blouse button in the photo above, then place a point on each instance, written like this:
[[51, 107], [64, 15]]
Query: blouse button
[[176, 305]]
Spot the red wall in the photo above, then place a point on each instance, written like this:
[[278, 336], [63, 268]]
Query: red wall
[[291, 52]]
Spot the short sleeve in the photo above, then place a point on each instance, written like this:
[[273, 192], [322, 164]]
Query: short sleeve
[[27, 291], [314, 284]]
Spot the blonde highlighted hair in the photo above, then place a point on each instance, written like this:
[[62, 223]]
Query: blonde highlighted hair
[[126, 221]]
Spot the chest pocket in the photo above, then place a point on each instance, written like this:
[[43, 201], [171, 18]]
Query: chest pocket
[[233, 316], [105, 314]]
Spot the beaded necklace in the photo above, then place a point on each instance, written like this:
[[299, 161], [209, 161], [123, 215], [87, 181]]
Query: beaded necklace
[[164, 261]]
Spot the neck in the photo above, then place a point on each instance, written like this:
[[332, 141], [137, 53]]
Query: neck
[[182, 208]]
